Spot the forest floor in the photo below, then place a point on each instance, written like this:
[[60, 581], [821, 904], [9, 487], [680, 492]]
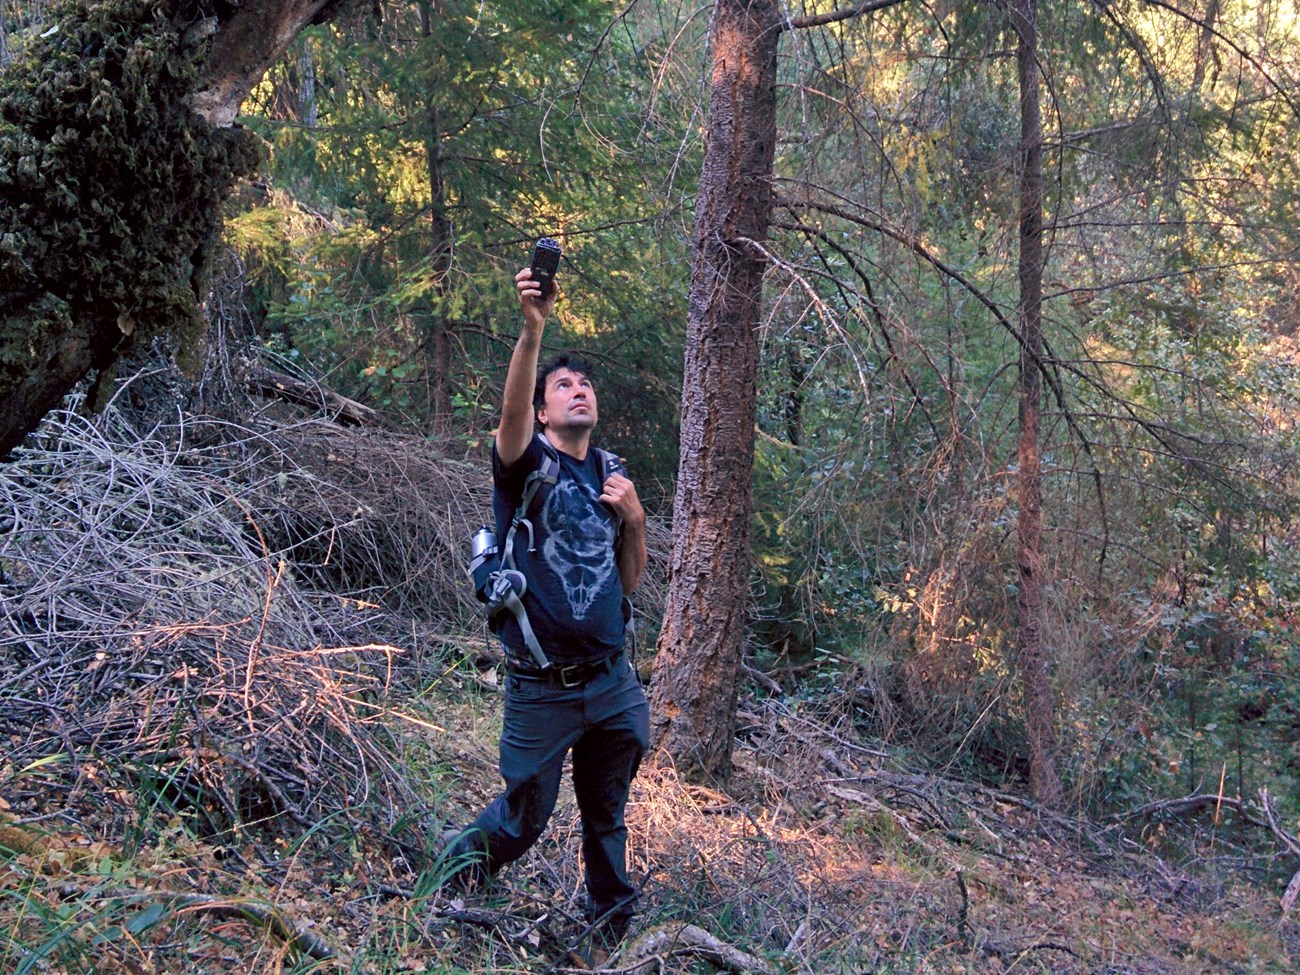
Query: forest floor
[[819, 857], [221, 754]]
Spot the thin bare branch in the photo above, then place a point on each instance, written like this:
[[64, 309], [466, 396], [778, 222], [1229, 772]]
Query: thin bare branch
[[842, 14]]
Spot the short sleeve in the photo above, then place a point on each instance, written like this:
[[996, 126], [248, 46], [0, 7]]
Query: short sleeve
[[511, 479]]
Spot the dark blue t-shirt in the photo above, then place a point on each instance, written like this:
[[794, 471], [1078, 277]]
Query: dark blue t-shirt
[[575, 592]]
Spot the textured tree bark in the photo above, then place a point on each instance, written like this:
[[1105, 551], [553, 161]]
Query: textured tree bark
[[248, 39], [87, 344], [693, 691], [442, 242], [1035, 668], [243, 42]]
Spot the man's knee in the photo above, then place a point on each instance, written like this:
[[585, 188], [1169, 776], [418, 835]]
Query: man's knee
[[530, 804]]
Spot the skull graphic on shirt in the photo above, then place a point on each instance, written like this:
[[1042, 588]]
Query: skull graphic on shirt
[[579, 544]]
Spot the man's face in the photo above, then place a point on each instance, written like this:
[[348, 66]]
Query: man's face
[[569, 401]]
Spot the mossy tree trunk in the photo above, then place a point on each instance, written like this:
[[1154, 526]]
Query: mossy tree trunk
[[117, 152]]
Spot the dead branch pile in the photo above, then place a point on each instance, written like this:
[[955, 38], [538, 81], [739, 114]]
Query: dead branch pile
[[223, 611], [370, 514], [379, 516], [150, 634]]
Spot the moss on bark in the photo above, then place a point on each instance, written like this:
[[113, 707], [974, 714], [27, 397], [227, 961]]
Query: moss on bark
[[110, 185]]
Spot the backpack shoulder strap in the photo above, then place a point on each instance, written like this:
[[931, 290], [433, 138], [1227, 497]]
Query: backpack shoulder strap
[[546, 473], [610, 463]]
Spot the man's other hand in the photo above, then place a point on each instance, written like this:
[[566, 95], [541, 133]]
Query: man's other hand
[[620, 494]]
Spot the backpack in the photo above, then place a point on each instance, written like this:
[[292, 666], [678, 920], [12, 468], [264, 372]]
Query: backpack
[[498, 584]]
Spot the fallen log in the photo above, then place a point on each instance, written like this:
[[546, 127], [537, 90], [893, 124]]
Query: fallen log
[[301, 392]]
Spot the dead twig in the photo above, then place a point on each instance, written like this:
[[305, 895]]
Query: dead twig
[[1288, 840], [1189, 804], [293, 934]]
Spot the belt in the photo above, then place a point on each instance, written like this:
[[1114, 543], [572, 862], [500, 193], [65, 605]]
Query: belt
[[570, 676]]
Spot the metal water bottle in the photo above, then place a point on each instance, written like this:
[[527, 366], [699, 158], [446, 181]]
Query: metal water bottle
[[482, 546]]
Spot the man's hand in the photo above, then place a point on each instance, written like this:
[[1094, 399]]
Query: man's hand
[[620, 494], [536, 308]]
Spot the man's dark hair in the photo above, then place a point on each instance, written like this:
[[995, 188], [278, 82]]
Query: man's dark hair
[[565, 360]]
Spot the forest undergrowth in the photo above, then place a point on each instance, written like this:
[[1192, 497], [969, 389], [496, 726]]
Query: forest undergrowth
[[242, 690]]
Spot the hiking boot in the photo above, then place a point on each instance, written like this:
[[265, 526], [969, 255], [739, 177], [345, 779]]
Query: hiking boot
[[462, 862], [448, 836], [606, 938]]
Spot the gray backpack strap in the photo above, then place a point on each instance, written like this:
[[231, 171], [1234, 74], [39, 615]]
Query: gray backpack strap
[[510, 584], [507, 589], [610, 463], [545, 474]]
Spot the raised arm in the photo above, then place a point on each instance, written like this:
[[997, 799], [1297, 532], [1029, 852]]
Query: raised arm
[[516, 429]]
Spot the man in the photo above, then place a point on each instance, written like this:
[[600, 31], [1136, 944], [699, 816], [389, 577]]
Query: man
[[581, 553]]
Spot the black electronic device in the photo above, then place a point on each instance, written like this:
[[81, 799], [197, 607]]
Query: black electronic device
[[546, 261]]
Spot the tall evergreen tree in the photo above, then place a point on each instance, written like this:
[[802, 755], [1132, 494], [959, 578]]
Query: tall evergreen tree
[[698, 663], [1040, 710]]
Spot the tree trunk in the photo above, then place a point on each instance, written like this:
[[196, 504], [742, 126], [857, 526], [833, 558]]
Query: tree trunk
[[308, 107], [797, 376], [441, 244], [693, 692], [5, 56], [86, 342], [249, 38], [1034, 667], [242, 43]]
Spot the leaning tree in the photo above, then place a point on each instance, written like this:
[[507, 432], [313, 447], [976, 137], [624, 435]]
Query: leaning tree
[[118, 147]]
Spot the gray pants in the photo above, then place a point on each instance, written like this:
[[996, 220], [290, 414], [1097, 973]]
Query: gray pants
[[606, 723]]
